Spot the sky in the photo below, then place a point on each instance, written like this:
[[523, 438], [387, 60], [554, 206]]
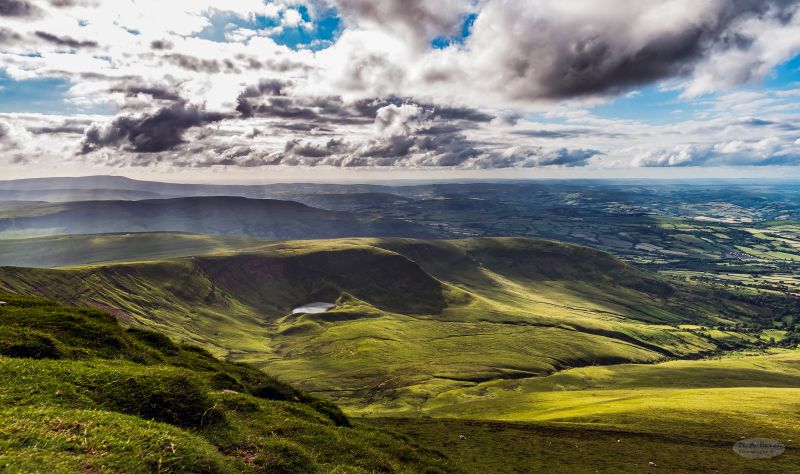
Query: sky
[[275, 90]]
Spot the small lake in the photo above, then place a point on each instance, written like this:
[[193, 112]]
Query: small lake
[[313, 308]]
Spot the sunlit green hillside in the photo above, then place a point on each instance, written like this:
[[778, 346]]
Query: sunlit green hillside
[[413, 319]]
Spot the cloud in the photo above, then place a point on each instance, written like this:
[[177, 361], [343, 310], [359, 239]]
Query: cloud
[[394, 120], [5, 132], [418, 21], [517, 91], [17, 8], [557, 50], [157, 93], [535, 158], [403, 136], [65, 41], [160, 131], [8, 36], [409, 135], [566, 133], [161, 45], [194, 64], [769, 151]]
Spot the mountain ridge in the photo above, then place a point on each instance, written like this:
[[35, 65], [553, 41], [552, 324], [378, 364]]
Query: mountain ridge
[[215, 215]]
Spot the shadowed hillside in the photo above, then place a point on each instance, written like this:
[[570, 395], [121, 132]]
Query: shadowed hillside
[[70, 250], [206, 215]]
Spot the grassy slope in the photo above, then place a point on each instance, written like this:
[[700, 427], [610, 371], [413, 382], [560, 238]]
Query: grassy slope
[[79, 393], [683, 416], [415, 319]]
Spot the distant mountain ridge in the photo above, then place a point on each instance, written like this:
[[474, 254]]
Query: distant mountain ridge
[[29, 189], [220, 215]]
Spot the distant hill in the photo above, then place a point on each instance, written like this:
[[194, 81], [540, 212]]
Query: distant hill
[[69, 250], [207, 215], [39, 189], [66, 195]]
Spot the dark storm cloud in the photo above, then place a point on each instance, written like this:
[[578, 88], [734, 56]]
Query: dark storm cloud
[[160, 131], [459, 113], [556, 53], [270, 87], [272, 64], [266, 87], [271, 99], [417, 20], [17, 8], [424, 134], [161, 45], [234, 65], [207, 66], [421, 148], [65, 129], [65, 41]]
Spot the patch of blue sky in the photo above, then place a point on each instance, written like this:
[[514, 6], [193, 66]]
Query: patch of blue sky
[[46, 95], [321, 33], [442, 42], [651, 104], [787, 75]]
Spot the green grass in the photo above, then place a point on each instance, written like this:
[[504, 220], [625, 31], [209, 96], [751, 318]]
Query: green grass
[[719, 399], [510, 447], [106, 399], [683, 416], [414, 318], [542, 354]]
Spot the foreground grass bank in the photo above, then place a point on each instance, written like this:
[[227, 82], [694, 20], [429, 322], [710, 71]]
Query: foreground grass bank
[[78, 393]]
